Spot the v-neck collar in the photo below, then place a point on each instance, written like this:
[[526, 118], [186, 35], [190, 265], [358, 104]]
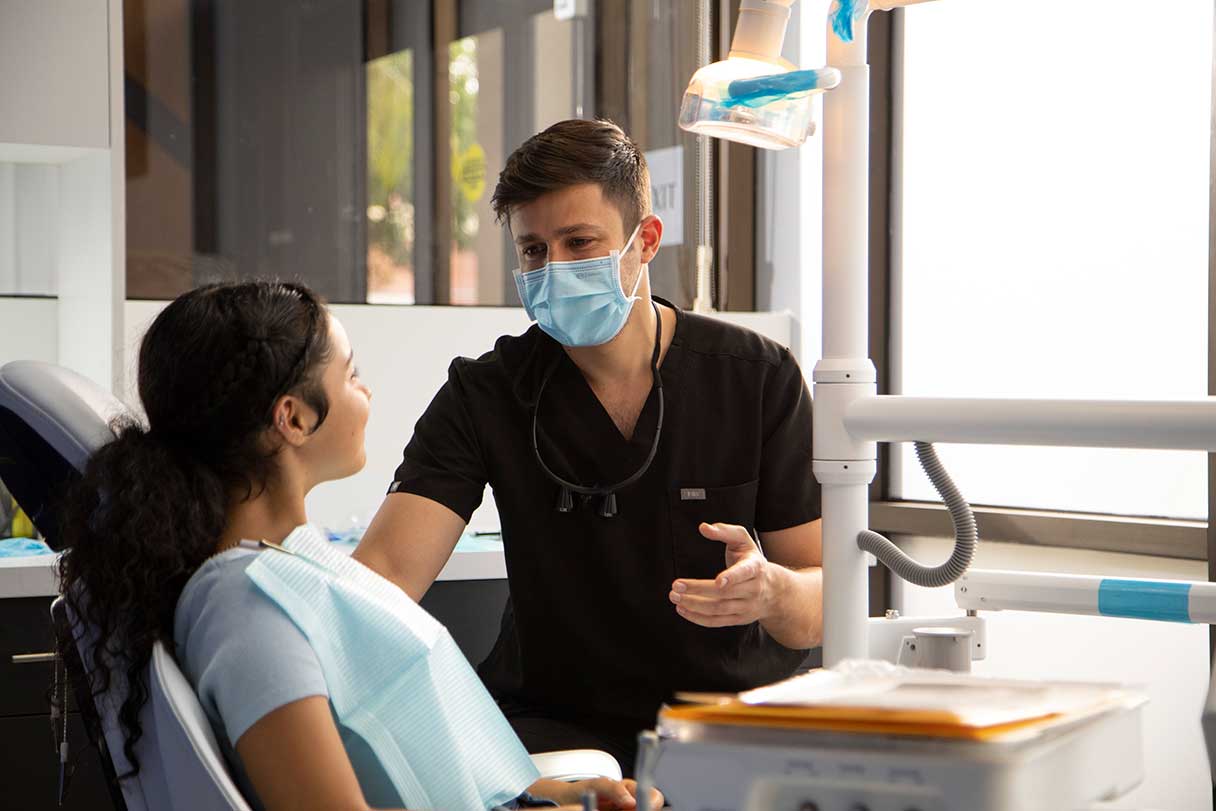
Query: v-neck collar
[[570, 408], [546, 353]]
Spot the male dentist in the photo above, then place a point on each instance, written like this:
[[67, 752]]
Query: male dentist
[[633, 449]]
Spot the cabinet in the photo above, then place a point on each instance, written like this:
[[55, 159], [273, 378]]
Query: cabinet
[[29, 764]]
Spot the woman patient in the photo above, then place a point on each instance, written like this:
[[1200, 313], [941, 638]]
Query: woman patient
[[252, 399]]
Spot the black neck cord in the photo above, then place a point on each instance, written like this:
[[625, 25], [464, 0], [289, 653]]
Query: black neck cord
[[608, 507]]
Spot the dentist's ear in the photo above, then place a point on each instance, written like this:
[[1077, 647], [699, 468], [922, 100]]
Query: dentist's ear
[[650, 235]]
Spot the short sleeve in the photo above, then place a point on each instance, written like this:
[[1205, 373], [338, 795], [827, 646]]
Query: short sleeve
[[788, 493], [244, 655], [443, 460]]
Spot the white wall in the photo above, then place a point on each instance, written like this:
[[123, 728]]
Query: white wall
[[54, 60], [31, 329], [1169, 660], [29, 203]]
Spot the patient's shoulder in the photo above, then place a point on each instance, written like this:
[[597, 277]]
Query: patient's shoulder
[[243, 654], [219, 590]]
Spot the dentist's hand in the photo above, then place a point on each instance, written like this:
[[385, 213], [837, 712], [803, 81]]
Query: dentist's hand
[[742, 594]]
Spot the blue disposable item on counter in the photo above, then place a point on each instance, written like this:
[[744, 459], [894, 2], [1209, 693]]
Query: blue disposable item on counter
[[23, 548]]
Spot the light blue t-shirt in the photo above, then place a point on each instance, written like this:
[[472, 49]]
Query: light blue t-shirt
[[246, 658]]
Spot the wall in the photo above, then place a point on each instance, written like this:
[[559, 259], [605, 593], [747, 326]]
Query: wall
[[54, 57], [403, 355], [29, 201], [1169, 660], [30, 327]]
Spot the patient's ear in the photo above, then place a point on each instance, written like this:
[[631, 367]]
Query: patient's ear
[[293, 420]]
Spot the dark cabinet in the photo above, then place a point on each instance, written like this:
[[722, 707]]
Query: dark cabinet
[[29, 764]]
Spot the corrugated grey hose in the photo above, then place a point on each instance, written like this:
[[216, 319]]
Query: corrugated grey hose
[[965, 536]]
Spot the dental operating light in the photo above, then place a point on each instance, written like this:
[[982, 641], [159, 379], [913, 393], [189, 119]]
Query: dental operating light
[[754, 96]]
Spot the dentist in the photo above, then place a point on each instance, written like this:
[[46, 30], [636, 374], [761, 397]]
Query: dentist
[[636, 453]]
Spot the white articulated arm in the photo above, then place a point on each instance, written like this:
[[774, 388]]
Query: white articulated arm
[[761, 29]]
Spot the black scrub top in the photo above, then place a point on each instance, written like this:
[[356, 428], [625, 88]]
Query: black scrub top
[[589, 629]]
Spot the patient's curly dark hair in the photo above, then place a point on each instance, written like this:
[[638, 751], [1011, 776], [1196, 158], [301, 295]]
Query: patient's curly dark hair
[[152, 505]]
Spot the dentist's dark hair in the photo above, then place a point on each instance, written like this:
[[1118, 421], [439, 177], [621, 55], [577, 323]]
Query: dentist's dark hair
[[152, 505], [571, 153]]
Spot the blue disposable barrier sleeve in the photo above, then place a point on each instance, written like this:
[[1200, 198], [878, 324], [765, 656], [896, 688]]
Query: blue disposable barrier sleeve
[[844, 14], [761, 90], [1145, 599]]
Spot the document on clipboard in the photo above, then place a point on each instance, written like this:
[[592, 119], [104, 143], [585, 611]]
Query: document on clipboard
[[876, 697]]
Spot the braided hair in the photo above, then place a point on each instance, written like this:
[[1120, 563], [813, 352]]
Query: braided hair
[[152, 505]]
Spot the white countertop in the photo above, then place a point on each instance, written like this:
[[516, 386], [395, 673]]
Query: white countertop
[[35, 575]]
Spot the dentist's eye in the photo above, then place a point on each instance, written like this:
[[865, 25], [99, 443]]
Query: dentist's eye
[[534, 251]]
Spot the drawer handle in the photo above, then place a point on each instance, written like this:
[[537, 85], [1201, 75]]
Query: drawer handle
[[30, 658]]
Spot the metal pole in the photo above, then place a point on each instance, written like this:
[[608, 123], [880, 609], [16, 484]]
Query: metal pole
[[843, 466]]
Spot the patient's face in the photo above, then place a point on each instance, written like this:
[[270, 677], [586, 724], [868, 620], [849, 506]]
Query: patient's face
[[336, 449]]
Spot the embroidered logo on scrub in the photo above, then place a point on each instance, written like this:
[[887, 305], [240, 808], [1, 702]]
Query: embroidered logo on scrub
[[692, 494]]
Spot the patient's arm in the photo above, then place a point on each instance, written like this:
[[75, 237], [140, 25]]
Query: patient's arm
[[611, 794], [296, 761], [409, 541]]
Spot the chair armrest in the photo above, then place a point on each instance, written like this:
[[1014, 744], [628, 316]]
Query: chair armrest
[[577, 764]]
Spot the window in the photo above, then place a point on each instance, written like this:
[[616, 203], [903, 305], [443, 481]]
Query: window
[[322, 142], [390, 179], [1054, 228]]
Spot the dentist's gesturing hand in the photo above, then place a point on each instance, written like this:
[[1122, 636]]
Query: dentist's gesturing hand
[[743, 593]]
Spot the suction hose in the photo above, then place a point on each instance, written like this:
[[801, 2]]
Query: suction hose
[[965, 535]]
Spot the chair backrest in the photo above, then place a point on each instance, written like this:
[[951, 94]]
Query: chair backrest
[[187, 755], [51, 421]]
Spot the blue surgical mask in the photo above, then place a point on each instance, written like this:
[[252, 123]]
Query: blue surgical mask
[[579, 303]]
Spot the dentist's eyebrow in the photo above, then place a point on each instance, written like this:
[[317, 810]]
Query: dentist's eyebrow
[[561, 232]]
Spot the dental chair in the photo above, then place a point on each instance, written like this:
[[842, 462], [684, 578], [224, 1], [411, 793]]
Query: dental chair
[[51, 421]]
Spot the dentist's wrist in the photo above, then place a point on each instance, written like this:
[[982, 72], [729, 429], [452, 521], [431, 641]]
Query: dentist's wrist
[[775, 580]]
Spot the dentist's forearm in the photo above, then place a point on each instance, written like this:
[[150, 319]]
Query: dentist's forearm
[[409, 541], [795, 613]]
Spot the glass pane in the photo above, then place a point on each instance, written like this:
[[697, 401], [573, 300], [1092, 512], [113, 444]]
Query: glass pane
[[476, 94], [1055, 235], [245, 144], [659, 70], [554, 70], [390, 179]]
